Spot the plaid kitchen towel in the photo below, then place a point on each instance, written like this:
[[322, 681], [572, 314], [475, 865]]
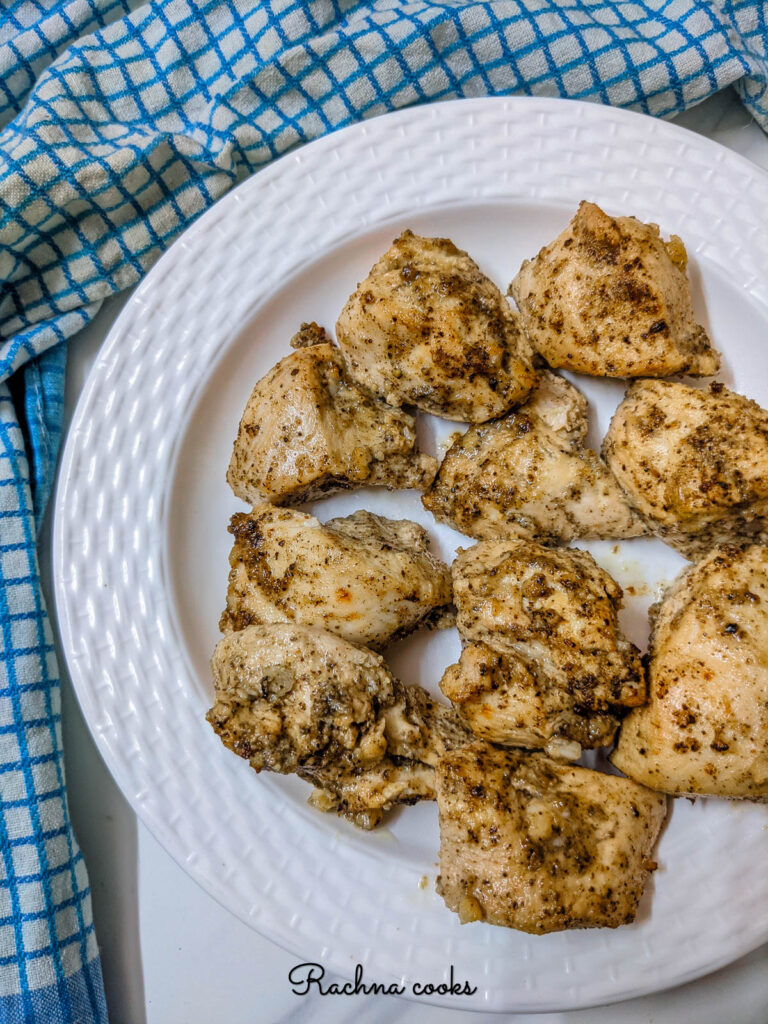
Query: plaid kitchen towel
[[121, 122]]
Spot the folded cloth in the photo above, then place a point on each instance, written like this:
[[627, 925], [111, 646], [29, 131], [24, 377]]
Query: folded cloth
[[114, 141]]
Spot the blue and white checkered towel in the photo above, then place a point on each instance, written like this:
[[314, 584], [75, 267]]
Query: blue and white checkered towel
[[123, 122]]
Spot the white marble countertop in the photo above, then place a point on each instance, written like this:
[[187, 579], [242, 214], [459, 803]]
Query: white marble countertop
[[171, 955]]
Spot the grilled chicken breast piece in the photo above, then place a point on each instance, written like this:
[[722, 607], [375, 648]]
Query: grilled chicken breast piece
[[308, 429], [547, 662], [506, 700], [368, 579], [293, 698], [419, 731], [693, 462], [536, 845], [555, 608], [531, 474], [364, 795], [610, 298], [705, 727], [289, 696], [428, 328]]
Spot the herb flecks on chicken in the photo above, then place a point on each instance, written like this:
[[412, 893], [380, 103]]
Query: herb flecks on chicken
[[298, 699], [610, 298], [693, 462], [545, 662], [705, 727], [428, 328], [530, 843], [531, 474], [308, 429], [368, 579], [419, 731]]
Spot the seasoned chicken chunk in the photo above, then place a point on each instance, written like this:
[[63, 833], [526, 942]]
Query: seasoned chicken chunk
[[363, 577], [505, 700], [554, 608], [705, 727], [364, 795], [289, 696], [610, 298], [565, 666], [439, 728], [419, 731], [427, 328], [693, 462], [293, 698], [309, 430], [531, 474], [533, 844]]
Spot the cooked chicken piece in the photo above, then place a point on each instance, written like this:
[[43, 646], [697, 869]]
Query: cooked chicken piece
[[288, 696], [547, 663], [363, 795], [504, 700], [540, 846], [705, 728], [419, 731], [427, 328], [530, 474], [554, 608], [608, 297], [309, 430], [298, 699], [439, 728], [693, 462], [368, 579]]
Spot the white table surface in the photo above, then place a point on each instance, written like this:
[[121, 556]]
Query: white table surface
[[171, 955]]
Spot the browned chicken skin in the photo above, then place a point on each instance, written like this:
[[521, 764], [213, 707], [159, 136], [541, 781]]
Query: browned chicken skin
[[533, 844], [427, 328], [693, 462], [368, 579], [608, 297], [531, 474], [546, 663], [309, 430], [705, 727]]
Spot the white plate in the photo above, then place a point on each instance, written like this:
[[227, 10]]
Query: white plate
[[141, 543]]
